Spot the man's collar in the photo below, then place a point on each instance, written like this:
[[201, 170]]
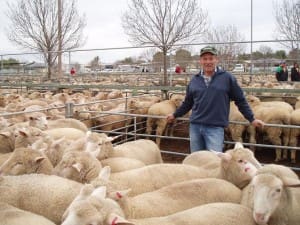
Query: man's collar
[[202, 71]]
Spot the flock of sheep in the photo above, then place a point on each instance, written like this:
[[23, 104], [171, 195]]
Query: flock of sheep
[[55, 170]]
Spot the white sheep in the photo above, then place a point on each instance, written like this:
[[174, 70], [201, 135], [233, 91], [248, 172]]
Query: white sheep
[[237, 165], [10, 215], [25, 161], [95, 208], [178, 197], [7, 141], [150, 177], [212, 213], [41, 194], [118, 164], [237, 131], [162, 108], [91, 207], [78, 166], [273, 197], [67, 122], [68, 133], [144, 150], [273, 113], [295, 133]]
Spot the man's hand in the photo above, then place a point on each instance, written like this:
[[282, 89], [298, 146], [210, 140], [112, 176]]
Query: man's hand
[[257, 123], [170, 118]]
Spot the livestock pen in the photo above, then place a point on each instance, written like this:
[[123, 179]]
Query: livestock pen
[[131, 126]]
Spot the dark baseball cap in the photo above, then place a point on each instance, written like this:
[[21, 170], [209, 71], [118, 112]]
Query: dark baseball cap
[[208, 49]]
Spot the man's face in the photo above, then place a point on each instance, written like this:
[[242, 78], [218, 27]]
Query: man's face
[[208, 62]]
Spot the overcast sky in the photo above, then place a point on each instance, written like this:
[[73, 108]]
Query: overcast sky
[[104, 28]]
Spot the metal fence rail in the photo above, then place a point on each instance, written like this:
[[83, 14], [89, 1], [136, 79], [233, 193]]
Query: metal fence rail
[[132, 132]]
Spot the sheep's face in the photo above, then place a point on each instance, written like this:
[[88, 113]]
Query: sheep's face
[[82, 213], [240, 166], [22, 161], [40, 122], [252, 100], [267, 193], [177, 99]]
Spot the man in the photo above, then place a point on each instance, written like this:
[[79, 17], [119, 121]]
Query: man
[[282, 73], [208, 95]]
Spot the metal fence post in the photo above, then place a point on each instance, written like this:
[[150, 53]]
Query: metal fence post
[[69, 110], [1, 63]]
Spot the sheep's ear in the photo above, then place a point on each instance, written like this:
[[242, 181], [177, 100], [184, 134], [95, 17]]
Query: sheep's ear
[[238, 145], [224, 156], [100, 192], [104, 173], [23, 133], [110, 139], [289, 182], [116, 195], [85, 191], [5, 134], [77, 166], [59, 141], [88, 133], [114, 219], [39, 159]]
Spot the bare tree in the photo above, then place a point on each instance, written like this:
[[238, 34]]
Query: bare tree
[[164, 23], [183, 57], [228, 49], [267, 53], [95, 63], [287, 16], [34, 26]]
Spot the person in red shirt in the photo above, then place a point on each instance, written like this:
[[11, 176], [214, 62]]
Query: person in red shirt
[[72, 71], [177, 69]]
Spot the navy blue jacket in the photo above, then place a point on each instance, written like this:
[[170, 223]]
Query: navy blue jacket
[[210, 105]]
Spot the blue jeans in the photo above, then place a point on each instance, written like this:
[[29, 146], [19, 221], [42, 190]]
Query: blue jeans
[[203, 137]]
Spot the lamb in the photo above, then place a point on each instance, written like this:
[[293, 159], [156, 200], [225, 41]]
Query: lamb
[[137, 106], [10, 215], [150, 177], [144, 150], [4, 157], [273, 197], [119, 164], [94, 208], [25, 161], [297, 104], [7, 141], [41, 194], [273, 113], [27, 136], [237, 131], [212, 213], [112, 122], [53, 149], [68, 133], [178, 197], [237, 165], [295, 133], [78, 166], [91, 207], [67, 122], [162, 108]]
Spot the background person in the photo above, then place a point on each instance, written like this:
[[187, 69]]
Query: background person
[[282, 73], [72, 71], [295, 74], [208, 95]]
